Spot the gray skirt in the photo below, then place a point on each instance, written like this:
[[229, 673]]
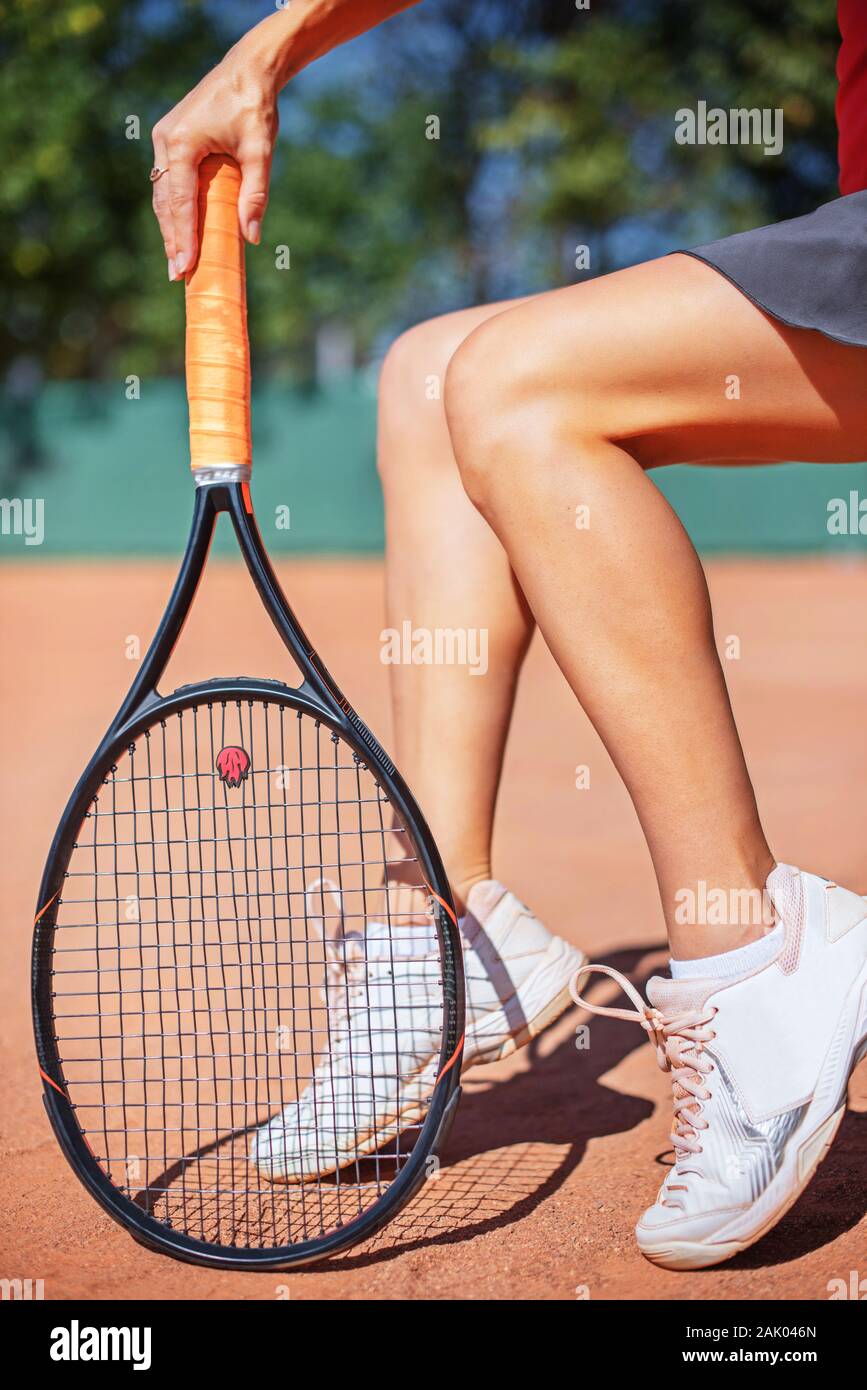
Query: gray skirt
[[809, 272]]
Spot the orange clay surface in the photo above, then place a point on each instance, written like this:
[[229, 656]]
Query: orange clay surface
[[555, 1151]]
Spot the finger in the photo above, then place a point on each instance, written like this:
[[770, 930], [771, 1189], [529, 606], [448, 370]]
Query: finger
[[253, 197], [183, 181], [161, 204]]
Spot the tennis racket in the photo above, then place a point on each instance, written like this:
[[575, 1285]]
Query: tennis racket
[[248, 1054]]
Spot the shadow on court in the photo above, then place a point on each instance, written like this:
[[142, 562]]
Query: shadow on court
[[552, 1156], [517, 1141]]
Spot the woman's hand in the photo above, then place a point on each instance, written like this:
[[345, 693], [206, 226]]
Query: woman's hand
[[232, 111]]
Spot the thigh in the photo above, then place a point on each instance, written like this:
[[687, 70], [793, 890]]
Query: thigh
[[675, 364]]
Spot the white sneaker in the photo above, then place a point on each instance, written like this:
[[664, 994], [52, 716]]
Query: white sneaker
[[760, 1066], [385, 1023], [517, 973]]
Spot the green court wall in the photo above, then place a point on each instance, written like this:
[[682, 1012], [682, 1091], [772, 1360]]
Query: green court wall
[[112, 474]]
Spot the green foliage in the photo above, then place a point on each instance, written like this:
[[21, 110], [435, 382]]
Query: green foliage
[[552, 120], [83, 263], [364, 203], [596, 113]]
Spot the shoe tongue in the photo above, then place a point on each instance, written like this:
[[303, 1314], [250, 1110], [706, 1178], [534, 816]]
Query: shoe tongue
[[483, 898], [673, 997], [381, 942]]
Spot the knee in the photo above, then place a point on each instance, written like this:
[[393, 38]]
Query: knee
[[498, 402], [411, 390], [409, 361]]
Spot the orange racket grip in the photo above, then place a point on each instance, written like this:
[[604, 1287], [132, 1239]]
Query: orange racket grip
[[218, 349]]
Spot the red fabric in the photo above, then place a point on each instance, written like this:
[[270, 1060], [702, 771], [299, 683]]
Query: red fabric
[[852, 95]]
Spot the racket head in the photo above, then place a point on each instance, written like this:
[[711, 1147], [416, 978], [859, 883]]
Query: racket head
[[212, 906]]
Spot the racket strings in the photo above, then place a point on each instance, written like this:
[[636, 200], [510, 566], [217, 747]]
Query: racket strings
[[248, 1014]]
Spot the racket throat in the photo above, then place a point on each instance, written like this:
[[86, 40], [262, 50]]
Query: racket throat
[[226, 488]]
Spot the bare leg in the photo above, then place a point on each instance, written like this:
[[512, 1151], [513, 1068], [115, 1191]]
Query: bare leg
[[562, 403], [445, 570]]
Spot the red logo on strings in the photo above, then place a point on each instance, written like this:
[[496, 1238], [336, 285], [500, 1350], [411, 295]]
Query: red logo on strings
[[233, 765]]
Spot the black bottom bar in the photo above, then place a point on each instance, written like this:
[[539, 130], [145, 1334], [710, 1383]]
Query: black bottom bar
[[272, 1335]]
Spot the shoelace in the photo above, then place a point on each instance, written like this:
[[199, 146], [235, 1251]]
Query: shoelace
[[350, 959], [345, 958], [346, 969], [679, 1041]]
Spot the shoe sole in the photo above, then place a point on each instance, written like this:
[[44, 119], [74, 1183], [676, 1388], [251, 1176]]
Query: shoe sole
[[695, 1255], [684, 1255], [552, 1011], [385, 1133], [366, 1146]]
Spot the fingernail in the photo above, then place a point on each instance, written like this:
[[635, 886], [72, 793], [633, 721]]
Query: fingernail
[[171, 270], [180, 263], [253, 232]]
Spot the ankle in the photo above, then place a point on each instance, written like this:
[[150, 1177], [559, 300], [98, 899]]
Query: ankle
[[462, 884], [713, 916]]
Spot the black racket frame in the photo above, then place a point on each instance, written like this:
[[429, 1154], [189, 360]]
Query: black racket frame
[[318, 696]]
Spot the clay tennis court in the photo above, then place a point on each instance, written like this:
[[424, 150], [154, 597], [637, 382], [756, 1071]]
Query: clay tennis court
[[556, 1151]]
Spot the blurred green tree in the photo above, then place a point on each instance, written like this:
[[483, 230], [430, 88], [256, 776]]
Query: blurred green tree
[[81, 259], [554, 123], [593, 123]]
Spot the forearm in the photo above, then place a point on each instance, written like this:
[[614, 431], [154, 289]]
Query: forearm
[[233, 110], [289, 39]]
